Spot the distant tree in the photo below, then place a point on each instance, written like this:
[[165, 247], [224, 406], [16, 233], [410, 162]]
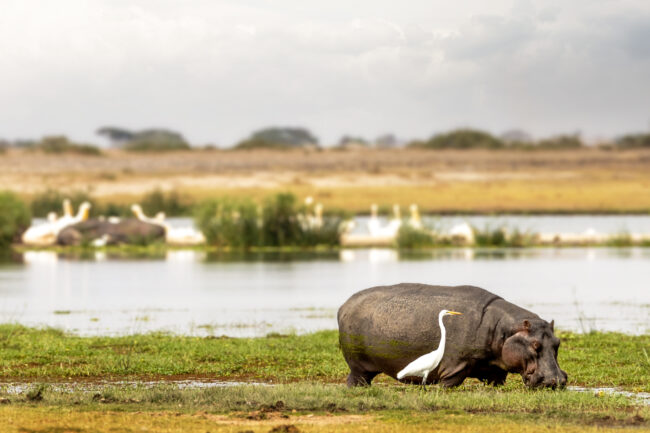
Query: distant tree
[[155, 139], [633, 141], [24, 144], [61, 144], [386, 141], [516, 137], [278, 138], [4, 145], [351, 141], [462, 139], [563, 141], [117, 136]]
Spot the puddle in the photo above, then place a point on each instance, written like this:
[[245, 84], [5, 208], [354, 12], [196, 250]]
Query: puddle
[[642, 397], [98, 386]]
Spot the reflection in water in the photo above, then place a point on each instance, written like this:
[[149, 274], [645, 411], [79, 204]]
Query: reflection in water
[[253, 293]]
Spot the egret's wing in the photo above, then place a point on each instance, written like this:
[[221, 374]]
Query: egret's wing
[[415, 367]]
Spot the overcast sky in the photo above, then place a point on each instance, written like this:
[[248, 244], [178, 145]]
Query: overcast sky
[[216, 70]]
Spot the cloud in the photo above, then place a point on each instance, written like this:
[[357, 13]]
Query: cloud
[[217, 69]]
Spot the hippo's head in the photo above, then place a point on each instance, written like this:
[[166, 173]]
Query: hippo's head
[[532, 352]]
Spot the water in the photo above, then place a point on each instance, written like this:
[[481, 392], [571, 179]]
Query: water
[[95, 386], [190, 292], [606, 224]]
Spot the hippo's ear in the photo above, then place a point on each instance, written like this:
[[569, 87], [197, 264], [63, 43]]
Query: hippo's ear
[[552, 325], [523, 326]]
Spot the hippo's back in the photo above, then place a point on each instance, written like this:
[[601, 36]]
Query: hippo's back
[[408, 312]]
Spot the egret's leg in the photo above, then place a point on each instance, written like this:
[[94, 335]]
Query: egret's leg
[[424, 380]]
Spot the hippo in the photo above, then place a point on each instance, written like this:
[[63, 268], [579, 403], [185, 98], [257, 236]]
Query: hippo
[[126, 231], [382, 329]]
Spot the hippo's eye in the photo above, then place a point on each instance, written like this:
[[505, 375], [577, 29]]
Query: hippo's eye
[[536, 345]]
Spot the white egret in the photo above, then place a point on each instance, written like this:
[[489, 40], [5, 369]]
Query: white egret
[[426, 363]]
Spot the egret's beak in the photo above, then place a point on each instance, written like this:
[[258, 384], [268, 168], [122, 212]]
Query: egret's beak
[[454, 313]]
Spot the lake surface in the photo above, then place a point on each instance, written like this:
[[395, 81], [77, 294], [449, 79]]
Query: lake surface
[[192, 292]]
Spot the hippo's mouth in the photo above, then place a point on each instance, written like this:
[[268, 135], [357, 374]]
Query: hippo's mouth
[[538, 381]]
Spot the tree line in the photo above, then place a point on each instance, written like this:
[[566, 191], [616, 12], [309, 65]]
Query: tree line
[[160, 139]]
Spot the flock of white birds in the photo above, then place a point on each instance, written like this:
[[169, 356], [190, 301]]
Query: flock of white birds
[[46, 233]]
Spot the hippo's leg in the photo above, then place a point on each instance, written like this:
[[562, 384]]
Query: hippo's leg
[[490, 374], [361, 378], [494, 376], [455, 377], [455, 380]]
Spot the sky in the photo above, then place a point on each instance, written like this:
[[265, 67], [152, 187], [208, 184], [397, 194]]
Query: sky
[[217, 70]]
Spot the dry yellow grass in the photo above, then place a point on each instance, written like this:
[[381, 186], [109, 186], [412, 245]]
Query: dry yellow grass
[[35, 419], [586, 180]]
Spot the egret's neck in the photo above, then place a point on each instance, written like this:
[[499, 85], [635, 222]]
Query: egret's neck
[[443, 333]]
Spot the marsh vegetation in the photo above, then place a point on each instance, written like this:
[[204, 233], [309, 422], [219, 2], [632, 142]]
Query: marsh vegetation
[[303, 378]]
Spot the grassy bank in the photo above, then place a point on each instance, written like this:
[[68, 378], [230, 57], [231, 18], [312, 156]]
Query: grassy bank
[[308, 394], [321, 408], [598, 359]]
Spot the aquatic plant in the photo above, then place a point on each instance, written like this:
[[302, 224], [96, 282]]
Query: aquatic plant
[[50, 200], [227, 222], [170, 203], [620, 239], [280, 222], [490, 237], [15, 218], [409, 237], [280, 225]]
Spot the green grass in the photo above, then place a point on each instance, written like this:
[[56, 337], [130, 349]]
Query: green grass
[[380, 408], [308, 389], [597, 359], [303, 397]]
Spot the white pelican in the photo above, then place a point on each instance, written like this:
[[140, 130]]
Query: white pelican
[[463, 232], [46, 233], [373, 222], [415, 221], [394, 224], [139, 214], [425, 364], [67, 208], [317, 222], [173, 235]]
